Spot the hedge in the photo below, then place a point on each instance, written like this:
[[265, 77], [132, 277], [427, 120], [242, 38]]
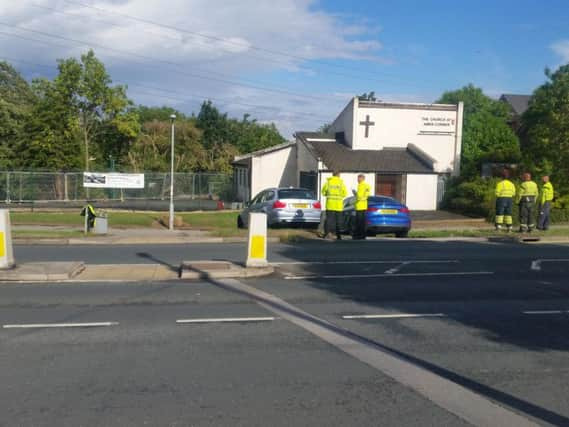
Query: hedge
[[476, 198]]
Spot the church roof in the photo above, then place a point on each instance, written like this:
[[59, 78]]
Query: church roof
[[518, 103], [245, 158], [337, 156]]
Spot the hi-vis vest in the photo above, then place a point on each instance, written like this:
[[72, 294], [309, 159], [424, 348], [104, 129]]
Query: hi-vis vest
[[546, 193], [334, 190], [528, 192], [505, 188], [362, 194]]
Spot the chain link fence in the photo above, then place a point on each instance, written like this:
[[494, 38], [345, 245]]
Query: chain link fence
[[29, 187]]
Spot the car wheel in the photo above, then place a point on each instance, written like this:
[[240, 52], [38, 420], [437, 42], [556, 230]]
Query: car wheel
[[402, 234], [240, 222]]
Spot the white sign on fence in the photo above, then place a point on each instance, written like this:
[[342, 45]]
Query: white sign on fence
[[113, 180]]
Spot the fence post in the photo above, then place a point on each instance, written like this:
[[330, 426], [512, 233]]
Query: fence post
[[21, 187], [65, 188], [8, 187], [199, 183]]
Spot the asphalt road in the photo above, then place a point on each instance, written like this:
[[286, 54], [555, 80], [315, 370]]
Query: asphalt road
[[489, 318]]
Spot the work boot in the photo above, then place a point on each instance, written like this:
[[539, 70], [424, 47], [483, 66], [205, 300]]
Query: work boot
[[498, 227], [509, 229]]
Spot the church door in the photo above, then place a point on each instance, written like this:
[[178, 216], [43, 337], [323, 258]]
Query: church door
[[391, 186]]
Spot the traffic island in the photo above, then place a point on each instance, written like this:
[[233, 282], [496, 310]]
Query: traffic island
[[128, 273], [42, 272], [193, 270]]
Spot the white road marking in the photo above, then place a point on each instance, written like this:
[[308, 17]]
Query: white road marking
[[536, 264], [61, 325], [392, 316], [379, 275], [397, 268], [545, 312], [227, 320], [397, 261]]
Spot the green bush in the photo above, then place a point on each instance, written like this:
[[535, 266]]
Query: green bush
[[477, 198], [561, 202], [559, 215], [471, 198]]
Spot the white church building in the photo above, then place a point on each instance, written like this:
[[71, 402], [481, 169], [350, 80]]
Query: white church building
[[405, 150]]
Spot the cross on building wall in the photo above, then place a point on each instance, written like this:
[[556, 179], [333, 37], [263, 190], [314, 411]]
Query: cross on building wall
[[367, 124]]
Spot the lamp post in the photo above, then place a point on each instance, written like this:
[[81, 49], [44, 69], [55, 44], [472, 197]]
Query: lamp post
[[171, 219]]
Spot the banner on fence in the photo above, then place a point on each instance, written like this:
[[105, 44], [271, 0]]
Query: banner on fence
[[113, 180]]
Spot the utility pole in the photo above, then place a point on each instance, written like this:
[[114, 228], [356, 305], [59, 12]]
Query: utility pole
[[171, 219]]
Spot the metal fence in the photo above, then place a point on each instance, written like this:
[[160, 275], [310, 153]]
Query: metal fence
[[22, 187]]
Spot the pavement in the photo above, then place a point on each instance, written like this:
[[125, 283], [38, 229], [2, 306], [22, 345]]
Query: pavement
[[397, 332], [126, 236], [143, 236], [78, 271]]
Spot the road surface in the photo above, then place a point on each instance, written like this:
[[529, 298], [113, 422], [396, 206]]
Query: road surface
[[343, 334]]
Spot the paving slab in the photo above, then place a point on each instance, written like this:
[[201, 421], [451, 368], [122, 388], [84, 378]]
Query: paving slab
[[42, 272]]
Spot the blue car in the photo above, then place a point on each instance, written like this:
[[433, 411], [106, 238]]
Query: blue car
[[384, 216]]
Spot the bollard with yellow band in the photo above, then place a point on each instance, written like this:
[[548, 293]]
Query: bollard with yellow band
[[257, 249], [6, 251]]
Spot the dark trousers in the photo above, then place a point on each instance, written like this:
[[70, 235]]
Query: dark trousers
[[360, 225], [504, 211], [526, 215], [333, 223], [544, 213]]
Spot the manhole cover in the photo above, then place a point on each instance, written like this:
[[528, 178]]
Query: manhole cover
[[531, 239]]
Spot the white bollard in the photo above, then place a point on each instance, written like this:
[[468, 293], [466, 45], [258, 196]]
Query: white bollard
[[6, 251], [257, 250]]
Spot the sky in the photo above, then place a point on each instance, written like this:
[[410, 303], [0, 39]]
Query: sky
[[295, 63]]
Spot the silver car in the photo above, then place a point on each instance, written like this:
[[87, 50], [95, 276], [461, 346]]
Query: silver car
[[283, 206]]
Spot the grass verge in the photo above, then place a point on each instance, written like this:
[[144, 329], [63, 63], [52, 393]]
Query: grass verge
[[220, 224], [116, 219], [558, 231]]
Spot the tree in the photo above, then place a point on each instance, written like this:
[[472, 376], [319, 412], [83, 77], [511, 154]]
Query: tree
[[151, 149], [325, 128], [545, 128], [103, 110], [368, 96], [16, 102], [78, 115], [52, 130], [162, 114], [249, 135], [214, 125], [223, 138], [486, 135]]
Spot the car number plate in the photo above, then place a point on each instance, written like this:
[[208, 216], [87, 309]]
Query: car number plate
[[388, 211], [301, 205]]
